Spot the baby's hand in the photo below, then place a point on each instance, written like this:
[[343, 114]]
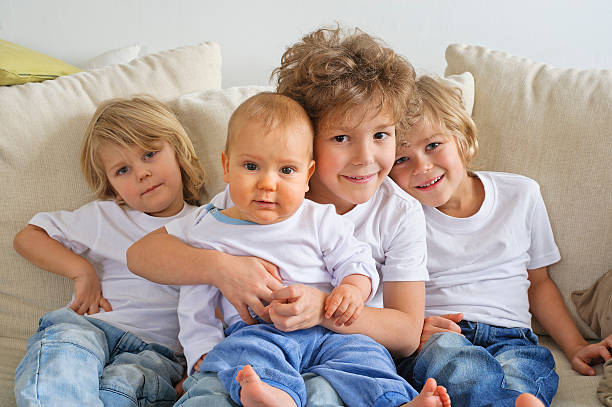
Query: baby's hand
[[88, 297], [344, 304]]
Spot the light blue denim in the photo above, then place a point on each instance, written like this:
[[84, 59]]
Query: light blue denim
[[73, 360], [205, 389], [490, 366], [359, 369]]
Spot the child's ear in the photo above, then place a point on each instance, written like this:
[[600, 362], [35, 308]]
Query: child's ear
[[225, 164], [311, 169]]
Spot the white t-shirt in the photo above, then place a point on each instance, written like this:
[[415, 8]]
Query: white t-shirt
[[101, 232], [315, 246], [392, 223], [478, 265]]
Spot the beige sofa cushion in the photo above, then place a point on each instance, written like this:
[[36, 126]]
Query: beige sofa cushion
[[552, 125], [42, 125]]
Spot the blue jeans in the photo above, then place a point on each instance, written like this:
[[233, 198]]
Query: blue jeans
[[490, 366], [205, 389], [73, 360], [359, 369]]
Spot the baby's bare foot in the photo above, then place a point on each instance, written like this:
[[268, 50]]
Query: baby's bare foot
[[431, 396], [255, 393], [528, 400]]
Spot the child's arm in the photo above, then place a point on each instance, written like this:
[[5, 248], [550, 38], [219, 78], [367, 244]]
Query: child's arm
[[547, 305], [345, 303], [43, 251], [244, 281]]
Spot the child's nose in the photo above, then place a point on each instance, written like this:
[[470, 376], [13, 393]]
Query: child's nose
[[363, 154], [421, 165], [267, 181], [143, 173]]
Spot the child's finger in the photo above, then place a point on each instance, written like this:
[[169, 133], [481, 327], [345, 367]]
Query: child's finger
[[93, 308], [341, 309], [331, 305], [105, 305], [347, 314], [354, 317]]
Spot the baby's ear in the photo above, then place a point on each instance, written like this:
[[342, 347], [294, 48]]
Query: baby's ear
[[225, 164]]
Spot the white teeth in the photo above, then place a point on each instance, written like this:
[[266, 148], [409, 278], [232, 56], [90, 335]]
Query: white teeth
[[431, 183]]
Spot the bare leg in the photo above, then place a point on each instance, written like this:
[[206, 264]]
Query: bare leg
[[255, 393], [528, 400], [431, 396]]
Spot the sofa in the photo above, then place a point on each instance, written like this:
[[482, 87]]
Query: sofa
[[548, 123]]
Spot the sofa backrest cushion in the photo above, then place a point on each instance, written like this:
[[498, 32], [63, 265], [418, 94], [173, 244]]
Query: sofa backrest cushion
[[552, 125]]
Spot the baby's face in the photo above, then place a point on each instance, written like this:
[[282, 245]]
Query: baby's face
[[428, 165], [268, 171]]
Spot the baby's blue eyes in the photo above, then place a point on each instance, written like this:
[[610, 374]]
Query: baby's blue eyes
[[431, 146], [122, 170], [254, 167], [149, 154]]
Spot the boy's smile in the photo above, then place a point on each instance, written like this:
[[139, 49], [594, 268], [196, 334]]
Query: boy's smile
[[147, 181], [353, 158]]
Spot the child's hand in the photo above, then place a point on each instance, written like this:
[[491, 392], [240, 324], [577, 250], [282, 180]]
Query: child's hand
[[197, 364], [88, 297], [442, 323], [344, 304], [588, 355]]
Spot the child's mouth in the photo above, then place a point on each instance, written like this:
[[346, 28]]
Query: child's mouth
[[430, 183], [154, 187], [265, 204], [359, 179]]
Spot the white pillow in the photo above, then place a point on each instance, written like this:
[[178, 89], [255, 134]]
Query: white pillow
[[113, 57]]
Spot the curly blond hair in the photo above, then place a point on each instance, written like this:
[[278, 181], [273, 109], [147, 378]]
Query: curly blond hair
[[440, 103], [142, 121], [332, 70]]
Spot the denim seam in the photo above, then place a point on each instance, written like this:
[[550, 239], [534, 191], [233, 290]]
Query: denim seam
[[43, 342], [111, 353], [38, 374], [539, 380]]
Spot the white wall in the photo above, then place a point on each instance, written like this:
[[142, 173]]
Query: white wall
[[253, 34]]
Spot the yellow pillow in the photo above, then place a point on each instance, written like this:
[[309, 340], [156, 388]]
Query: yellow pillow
[[20, 65]]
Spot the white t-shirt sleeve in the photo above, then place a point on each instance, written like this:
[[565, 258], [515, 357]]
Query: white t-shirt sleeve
[[406, 247], [200, 329], [543, 250], [183, 227], [343, 253], [77, 230]]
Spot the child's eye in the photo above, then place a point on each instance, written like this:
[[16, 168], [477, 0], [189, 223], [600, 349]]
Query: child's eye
[[287, 170], [431, 146], [250, 166], [122, 171], [380, 136], [150, 154], [341, 139], [400, 160]]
